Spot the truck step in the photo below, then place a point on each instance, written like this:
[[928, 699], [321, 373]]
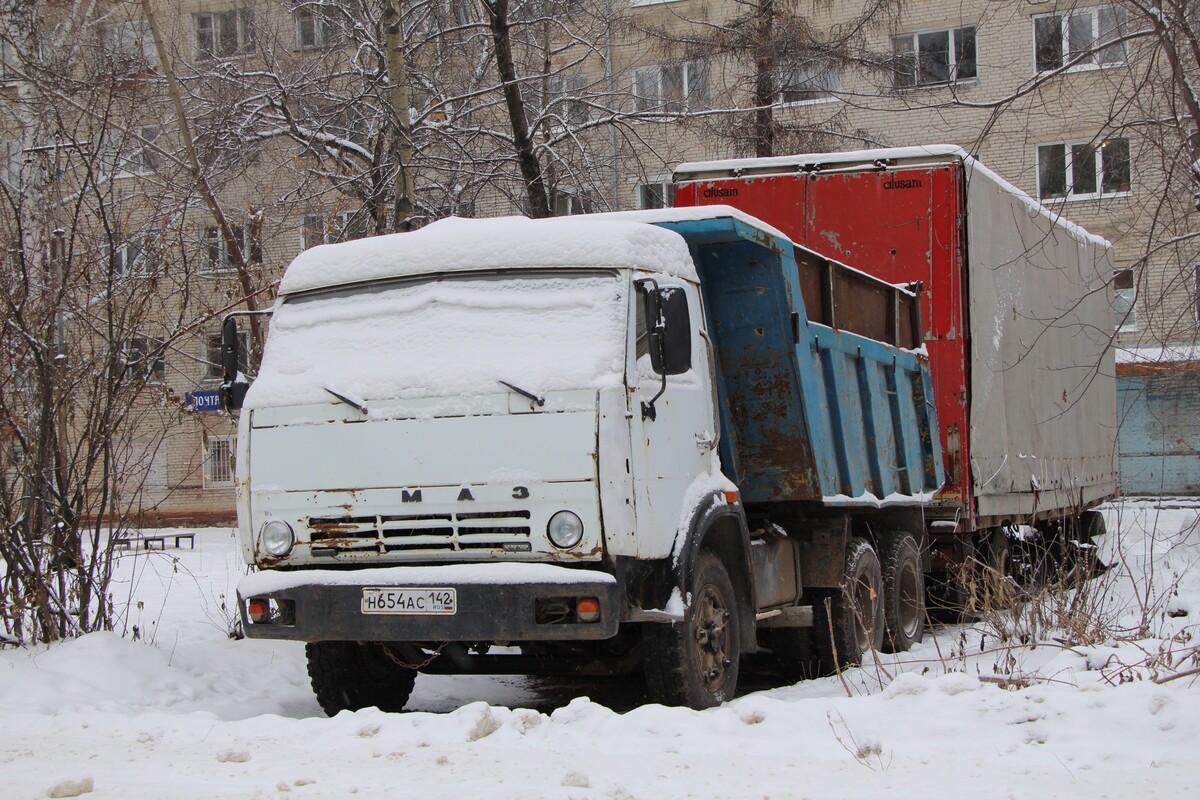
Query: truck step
[[792, 617]]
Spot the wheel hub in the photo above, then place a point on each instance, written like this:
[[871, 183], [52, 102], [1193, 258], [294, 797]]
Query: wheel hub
[[710, 623]]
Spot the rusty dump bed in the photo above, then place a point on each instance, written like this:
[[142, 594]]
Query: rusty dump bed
[[813, 408]]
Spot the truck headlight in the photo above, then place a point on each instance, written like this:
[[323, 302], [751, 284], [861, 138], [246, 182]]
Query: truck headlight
[[565, 530], [277, 538]]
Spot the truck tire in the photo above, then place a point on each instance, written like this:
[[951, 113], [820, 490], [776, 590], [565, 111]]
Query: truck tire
[[1008, 569], [695, 663], [347, 676], [1093, 528], [903, 593], [853, 614]]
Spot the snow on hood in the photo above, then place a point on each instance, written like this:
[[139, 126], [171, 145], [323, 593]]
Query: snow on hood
[[457, 245]]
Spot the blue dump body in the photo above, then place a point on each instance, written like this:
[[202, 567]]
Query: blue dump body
[[808, 412]]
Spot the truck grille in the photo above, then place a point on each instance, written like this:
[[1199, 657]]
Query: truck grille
[[449, 532]]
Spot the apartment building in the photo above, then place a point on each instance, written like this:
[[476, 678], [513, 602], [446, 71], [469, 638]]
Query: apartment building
[[297, 138]]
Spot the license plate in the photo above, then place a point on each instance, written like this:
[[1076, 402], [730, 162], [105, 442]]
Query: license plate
[[409, 600]]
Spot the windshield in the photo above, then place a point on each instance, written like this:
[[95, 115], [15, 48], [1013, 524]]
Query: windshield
[[446, 336]]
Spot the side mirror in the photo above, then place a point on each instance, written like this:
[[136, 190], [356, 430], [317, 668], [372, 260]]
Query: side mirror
[[669, 334], [233, 391], [676, 333], [229, 350]]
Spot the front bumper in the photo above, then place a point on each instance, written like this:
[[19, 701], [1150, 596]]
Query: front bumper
[[496, 603]]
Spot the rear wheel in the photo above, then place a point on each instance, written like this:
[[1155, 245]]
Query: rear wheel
[[903, 593], [1004, 567], [849, 623], [695, 663], [347, 676]]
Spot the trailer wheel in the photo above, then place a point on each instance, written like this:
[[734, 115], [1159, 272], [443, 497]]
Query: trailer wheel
[[849, 622], [695, 663], [1092, 529], [347, 676], [995, 582], [903, 593]]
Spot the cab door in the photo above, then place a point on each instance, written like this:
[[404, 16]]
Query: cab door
[[671, 408]]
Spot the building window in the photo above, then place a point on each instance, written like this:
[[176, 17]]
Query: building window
[[221, 257], [448, 14], [212, 356], [1083, 39], [8, 61], [1083, 170], [1124, 295], [224, 34], [460, 208], [144, 356], [816, 80], [1196, 296], [135, 258], [656, 194], [567, 106], [133, 154], [10, 168], [129, 46], [568, 8], [341, 121], [566, 202], [672, 88], [342, 226], [316, 25], [349, 225], [312, 231], [935, 58], [218, 462]]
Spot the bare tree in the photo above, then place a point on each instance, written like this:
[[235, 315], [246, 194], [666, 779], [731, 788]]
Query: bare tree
[[104, 275], [773, 53], [504, 100]]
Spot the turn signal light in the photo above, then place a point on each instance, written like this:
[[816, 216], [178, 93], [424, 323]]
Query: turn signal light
[[587, 609], [258, 610], [731, 497]]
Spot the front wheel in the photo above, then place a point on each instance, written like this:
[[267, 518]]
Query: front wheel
[[695, 663], [347, 676]]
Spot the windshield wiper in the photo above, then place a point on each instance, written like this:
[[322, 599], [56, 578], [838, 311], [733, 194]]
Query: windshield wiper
[[541, 401], [352, 403]]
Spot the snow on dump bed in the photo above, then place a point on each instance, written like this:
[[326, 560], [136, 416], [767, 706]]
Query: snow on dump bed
[[654, 216], [447, 336], [457, 245]]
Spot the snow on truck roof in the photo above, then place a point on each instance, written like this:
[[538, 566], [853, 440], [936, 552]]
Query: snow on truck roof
[[692, 214], [689, 170], [460, 245], [703, 170]]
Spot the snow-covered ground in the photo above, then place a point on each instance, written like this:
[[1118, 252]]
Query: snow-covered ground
[[182, 711]]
